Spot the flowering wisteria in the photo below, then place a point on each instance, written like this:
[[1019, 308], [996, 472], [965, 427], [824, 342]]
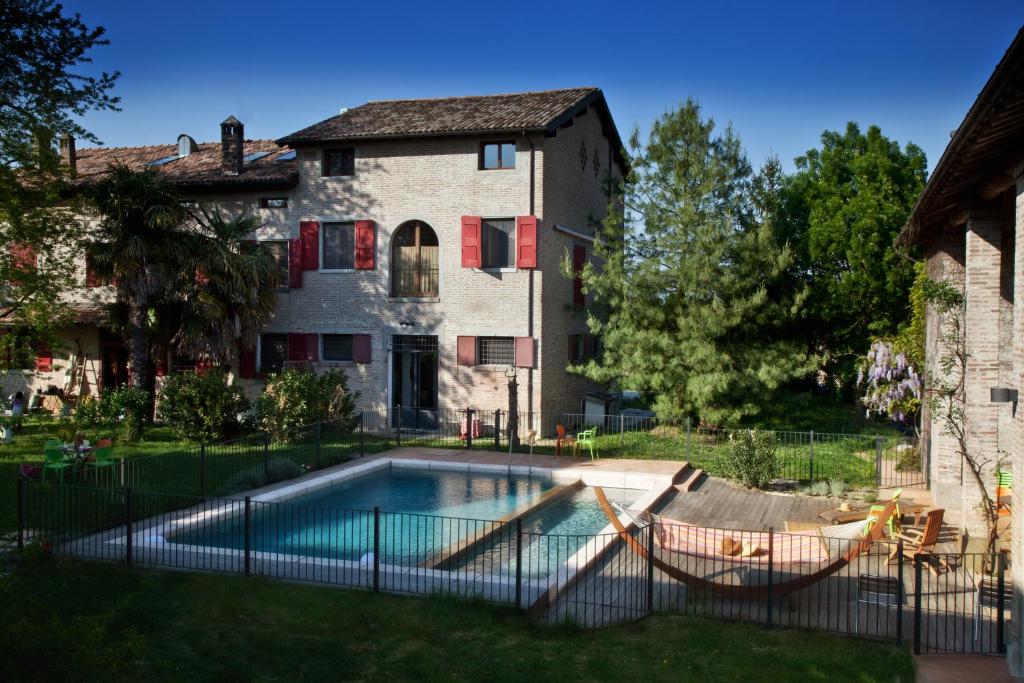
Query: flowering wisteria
[[892, 385]]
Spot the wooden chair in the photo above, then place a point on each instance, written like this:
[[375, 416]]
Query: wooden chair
[[920, 541], [563, 440]]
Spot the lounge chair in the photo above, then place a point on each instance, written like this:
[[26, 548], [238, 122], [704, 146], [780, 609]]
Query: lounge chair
[[54, 460], [921, 541]]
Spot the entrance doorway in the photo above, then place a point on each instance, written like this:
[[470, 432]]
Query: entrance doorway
[[414, 381], [114, 360]]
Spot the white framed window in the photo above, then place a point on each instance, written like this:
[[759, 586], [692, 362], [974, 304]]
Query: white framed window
[[498, 243], [279, 250], [338, 245]]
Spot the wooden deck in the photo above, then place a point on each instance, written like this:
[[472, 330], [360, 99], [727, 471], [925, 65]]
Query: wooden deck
[[717, 503]]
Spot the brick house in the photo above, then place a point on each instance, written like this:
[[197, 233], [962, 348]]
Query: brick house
[[967, 223], [421, 241]]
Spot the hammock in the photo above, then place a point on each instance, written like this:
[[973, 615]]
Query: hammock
[[858, 543]]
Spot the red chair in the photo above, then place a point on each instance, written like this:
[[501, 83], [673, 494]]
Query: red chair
[[563, 440]]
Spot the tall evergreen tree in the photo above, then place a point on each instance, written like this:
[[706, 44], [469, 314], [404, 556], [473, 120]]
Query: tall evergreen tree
[[691, 297], [843, 208]]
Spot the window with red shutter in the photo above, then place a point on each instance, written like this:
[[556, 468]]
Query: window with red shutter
[[366, 243], [574, 345], [312, 347], [295, 263], [471, 253], [296, 347], [526, 242], [309, 233], [466, 350], [579, 258], [91, 278], [361, 348], [524, 352]]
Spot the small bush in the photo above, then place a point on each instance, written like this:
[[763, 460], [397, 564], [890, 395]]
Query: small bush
[[870, 497], [279, 470], [838, 487], [908, 458], [751, 458], [201, 406], [255, 477], [122, 410], [294, 399], [819, 488]]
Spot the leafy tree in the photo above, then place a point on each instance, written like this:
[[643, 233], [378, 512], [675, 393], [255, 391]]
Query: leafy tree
[[294, 399], [843, 208], [43, 91], [691, 300], [201, 406]]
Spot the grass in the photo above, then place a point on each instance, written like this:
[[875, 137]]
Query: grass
[[65, 620]]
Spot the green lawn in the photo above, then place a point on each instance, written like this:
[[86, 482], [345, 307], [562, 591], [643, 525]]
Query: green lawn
[[89, 621]]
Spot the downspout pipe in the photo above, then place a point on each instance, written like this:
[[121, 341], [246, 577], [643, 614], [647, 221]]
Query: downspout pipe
[[530, 289]]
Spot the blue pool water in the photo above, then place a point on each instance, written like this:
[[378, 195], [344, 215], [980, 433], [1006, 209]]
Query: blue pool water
[[422, 513]]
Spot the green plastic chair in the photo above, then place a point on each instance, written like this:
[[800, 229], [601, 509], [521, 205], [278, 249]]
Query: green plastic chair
[[102, 457], [892, 525], [588, 439], [54, 460], [53, 443]]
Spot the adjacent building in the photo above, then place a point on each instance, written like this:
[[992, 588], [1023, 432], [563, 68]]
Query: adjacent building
[[421, 241], [968, 223]]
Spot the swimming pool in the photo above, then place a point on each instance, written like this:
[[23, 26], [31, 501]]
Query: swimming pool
[[424, 517]]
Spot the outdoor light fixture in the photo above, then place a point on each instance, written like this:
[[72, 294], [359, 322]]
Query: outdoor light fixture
[[1002, 395]]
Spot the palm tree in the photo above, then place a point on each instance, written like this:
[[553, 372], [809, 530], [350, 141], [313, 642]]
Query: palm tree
[[141, 248]]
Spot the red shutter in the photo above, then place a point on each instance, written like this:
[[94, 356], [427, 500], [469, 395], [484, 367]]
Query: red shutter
[[524, 352], [23, 257], [91, 278], [203, 366], [246, 363], [296, 346], [161, 365], [466, 351], [295, 263], [361, 348], [309, 232], [44, 357], [366, 242], [573, 345], [202, 279], [471, 246], [312, 347], [526, 242], [579, 258]]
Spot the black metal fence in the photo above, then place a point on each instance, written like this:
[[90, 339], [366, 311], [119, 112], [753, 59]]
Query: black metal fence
[[855, 460], [939, 602]]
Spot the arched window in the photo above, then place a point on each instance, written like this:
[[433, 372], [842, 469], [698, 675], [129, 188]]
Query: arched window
[[414, 261]]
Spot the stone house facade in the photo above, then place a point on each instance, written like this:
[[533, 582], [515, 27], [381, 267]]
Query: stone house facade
[[968, 224], [422, 242]]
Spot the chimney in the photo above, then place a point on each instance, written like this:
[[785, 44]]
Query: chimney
[[232, 133], [67, 152]]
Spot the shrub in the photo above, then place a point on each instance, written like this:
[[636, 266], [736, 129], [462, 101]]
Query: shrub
[[294, 399], [751, 458], [908, 458], [819, 488], [838, 487], [255, 477], [870, 497], [201, 406], [122, 409]]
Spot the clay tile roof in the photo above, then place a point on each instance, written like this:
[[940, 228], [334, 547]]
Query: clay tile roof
[[531, 111], [201, 168]]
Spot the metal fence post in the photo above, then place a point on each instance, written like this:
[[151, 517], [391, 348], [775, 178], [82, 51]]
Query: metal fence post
[[497, 429], [120, 468], [398, 429], [622, 431], [917, 604], [248, 536], [650, 568], [688, 453], [202, 471], [1000, 587], [376, 549], [771, 575], [21, 513], [811, 473], [266, 454], [899, 592], [319, 429], [878, 461], [128, 525], [469, 428], [519, 563], [362, 448]]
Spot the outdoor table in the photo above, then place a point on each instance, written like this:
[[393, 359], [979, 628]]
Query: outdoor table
[[836, 516]]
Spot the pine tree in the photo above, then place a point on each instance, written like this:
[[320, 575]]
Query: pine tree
[[692, 298]]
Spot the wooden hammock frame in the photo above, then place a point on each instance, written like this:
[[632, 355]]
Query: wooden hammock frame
[[738, 591]]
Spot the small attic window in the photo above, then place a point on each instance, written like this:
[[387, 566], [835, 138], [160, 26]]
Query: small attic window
[[163, 160], [287, 156], [255, 156], [186, 145]]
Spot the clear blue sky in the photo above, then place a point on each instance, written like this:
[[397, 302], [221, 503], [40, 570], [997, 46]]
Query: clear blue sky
[[780, 72]]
